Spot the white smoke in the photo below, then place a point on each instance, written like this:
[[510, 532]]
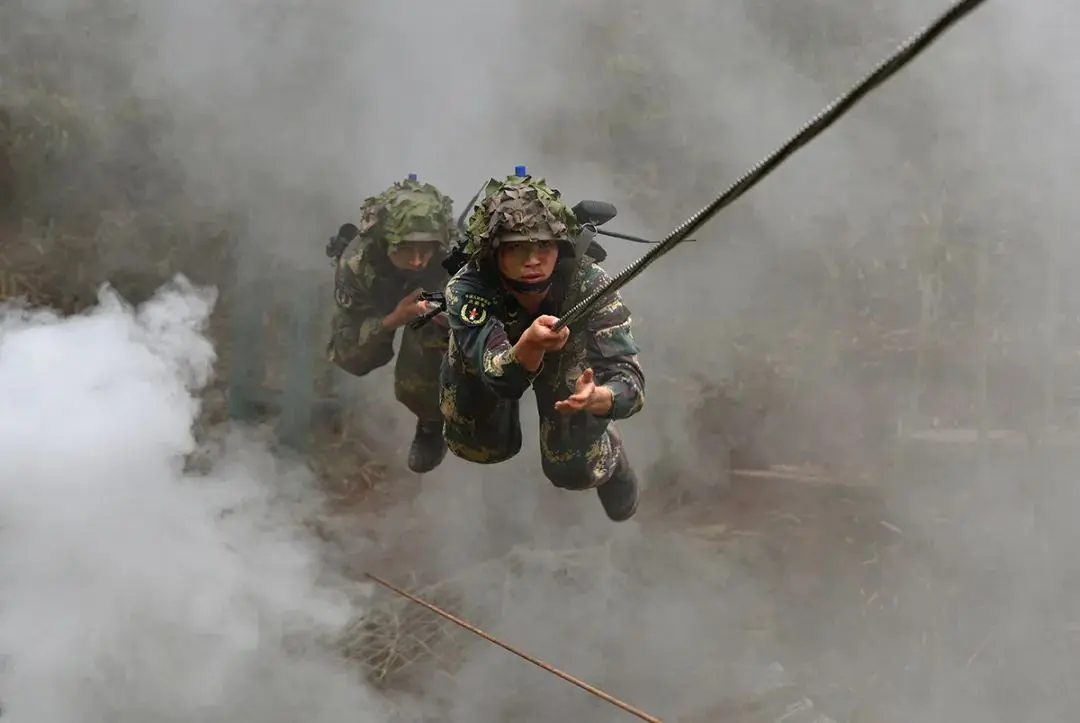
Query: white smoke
[[131, 589]]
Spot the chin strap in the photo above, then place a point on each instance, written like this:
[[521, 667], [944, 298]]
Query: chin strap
[[523, 287], [581, 245]]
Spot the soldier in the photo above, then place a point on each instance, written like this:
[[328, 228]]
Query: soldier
[[405, 233], [522, 273]]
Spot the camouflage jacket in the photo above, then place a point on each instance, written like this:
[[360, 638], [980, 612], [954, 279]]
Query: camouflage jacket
[[367, 287], [486, 321]]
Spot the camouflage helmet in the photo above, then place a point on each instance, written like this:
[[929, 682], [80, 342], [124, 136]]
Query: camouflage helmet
[[519, 208], [408, 211]]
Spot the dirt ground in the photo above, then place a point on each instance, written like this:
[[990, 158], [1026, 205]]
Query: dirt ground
[[875, 624], [872, 623], [820, 533]]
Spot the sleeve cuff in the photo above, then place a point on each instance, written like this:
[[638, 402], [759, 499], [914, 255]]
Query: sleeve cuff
[[531, 376], [506, 376], [619, 392]]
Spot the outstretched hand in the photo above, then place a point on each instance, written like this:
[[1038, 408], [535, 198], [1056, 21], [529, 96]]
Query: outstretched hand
[[587, 397]]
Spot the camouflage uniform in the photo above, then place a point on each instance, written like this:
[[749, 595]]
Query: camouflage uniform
[[482, 382], [367, 287]]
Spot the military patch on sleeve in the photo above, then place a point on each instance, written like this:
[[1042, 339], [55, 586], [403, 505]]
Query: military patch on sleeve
[[342, 297], [473, 314], [474, 310]]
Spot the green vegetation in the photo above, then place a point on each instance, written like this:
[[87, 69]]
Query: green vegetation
[[85, 189]]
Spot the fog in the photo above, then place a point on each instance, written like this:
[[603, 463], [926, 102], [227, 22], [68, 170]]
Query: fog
[[132, 589], [283, 116]]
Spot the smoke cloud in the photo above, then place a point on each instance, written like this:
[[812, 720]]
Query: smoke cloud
[[133, 589], [284, 115]]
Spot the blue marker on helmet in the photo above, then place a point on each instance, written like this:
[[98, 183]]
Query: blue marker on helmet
[[520, 171], [412, 176]]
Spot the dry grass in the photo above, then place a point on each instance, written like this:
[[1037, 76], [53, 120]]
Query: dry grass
[[398, 636], [398, 641]]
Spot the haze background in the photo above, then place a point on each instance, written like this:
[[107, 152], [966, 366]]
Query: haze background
[[281, 117]]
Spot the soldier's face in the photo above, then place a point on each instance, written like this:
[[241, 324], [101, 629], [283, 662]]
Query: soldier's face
[[413, 256], [528, 261]]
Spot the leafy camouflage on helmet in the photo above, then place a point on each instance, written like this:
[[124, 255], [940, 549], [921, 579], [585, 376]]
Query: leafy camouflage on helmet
[[409, 211], [519, 209]]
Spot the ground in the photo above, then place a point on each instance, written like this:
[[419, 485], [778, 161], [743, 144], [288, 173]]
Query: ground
[[878, 611], [815, 531], [871, 622]]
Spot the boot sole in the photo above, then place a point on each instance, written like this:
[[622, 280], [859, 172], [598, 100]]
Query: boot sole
[[418, 469], [619, 515]]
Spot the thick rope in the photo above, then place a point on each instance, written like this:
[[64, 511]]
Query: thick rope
[[831, 113]]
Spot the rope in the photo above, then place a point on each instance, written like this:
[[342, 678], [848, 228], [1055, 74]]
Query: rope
[[535, 661], [829, 115]]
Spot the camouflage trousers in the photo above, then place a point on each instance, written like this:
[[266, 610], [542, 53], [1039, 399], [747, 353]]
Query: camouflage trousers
[[416, 372], [577, 451]]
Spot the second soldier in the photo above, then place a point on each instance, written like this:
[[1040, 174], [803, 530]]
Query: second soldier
[[404, 235]]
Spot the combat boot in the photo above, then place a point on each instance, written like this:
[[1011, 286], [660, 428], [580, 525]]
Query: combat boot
[[428, 447], [619, 495]]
